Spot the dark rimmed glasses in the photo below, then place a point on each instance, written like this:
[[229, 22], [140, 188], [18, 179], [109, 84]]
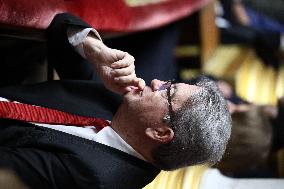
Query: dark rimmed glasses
[[167, 86]]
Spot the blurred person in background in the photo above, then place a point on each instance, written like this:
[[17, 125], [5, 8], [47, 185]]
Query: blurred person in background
[[242, 24]]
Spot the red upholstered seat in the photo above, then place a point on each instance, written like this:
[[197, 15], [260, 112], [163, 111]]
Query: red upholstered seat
[[105, 15]]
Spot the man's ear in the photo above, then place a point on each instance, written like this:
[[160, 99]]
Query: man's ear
[[160, 134]]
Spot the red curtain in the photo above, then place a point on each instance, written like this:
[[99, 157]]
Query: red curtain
[[104, 15]]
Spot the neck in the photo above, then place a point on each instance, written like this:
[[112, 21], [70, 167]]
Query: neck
[[133, 136]]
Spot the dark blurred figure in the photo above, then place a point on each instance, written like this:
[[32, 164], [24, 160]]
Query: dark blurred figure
[[273, 9], [248, 16], [242, 24], [250, 145], [257, 134], [278, 123]]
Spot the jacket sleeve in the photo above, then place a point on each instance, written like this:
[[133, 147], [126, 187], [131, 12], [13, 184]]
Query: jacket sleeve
[[62, 55]]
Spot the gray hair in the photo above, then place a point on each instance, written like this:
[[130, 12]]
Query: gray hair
[[202, 128]]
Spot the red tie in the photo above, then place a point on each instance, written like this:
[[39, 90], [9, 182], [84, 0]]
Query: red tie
[[37, 114]]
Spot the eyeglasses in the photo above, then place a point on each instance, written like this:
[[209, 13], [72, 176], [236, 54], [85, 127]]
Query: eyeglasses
[[167, 86]]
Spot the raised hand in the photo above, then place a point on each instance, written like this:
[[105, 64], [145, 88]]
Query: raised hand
[[116, 68]]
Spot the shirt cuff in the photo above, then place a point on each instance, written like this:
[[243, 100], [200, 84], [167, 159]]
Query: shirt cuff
[[77, 35]]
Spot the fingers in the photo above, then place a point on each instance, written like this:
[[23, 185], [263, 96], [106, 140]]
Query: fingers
[[130, 82], [123, 61], [123, 71], [125, 80], [138, 83]]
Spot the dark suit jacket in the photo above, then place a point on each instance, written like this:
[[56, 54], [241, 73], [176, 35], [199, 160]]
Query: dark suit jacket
[[45, 158]]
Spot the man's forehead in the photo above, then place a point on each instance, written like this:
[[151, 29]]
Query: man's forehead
[[186, 87], [184, 91]]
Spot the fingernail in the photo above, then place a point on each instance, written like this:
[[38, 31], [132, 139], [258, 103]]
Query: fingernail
[[116, 79]]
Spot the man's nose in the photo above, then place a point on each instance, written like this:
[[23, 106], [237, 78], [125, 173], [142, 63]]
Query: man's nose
[[155, 84]]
